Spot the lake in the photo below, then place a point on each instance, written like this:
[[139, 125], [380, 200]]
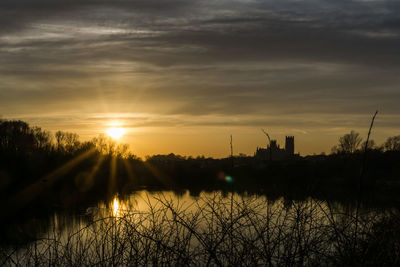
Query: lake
[[211, 228]]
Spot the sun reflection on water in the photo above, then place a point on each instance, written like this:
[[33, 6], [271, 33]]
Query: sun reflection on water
[[115, 207]]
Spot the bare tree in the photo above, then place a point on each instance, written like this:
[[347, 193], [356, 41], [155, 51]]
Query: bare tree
[[348, 143], [67, 141], [106, 145], [43, 138], [371, 145], [60, 140], [392, 143], [16, 135], [71, 141]]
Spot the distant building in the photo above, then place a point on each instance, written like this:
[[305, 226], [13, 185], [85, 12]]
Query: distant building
[[289, 145], [274, 152]]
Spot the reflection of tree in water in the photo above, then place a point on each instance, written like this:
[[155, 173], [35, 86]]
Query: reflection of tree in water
[[165, 229]]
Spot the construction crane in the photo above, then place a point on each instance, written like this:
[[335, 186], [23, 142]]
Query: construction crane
[[269, 140]]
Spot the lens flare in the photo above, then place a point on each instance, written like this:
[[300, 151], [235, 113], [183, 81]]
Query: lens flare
[[229, 179]]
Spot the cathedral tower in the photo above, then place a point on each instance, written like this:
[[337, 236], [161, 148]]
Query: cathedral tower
[[289, 145]]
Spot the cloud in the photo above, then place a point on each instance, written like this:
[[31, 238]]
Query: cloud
[[187, 32], [201, 59]]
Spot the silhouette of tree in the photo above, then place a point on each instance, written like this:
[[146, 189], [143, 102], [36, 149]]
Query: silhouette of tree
[[107, 146], [16, 136], [104, 144], [392, 143], [71, 142], [43, 138], [86, 146], [60, 140], [371, 145], [122, 150], [66, 141], [348, 143]]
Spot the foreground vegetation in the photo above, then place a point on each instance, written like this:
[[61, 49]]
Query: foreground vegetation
[[222, 231]]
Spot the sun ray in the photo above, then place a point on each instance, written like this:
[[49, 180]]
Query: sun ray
[[96, 167], [128, 169], [113, 172], [164, 179], [32, 191]]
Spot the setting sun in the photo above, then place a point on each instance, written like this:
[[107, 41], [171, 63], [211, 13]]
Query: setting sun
[[116, 132]]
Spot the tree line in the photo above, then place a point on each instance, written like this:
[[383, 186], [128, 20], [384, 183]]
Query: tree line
[[18, 137], [27, 154], [353, 142]]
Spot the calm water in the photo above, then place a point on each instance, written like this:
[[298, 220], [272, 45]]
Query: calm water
[[150, 222], [66, 222]]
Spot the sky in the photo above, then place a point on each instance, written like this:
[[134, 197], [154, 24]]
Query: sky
[[181, 76]]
